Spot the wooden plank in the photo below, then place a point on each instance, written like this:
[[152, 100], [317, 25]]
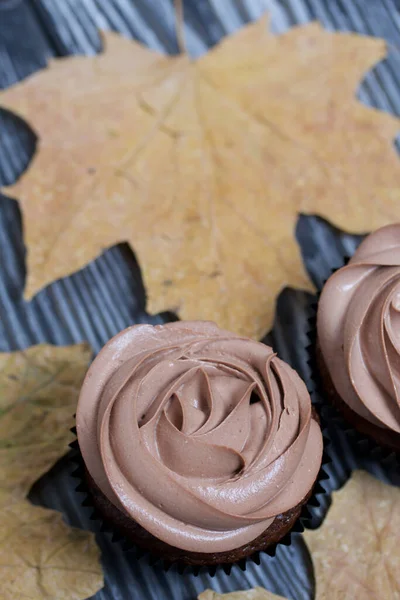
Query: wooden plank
[[108, 294], [74, 25]]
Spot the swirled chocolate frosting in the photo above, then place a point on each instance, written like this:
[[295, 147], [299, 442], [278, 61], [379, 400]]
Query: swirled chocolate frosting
[[200, 436], [359, 329]]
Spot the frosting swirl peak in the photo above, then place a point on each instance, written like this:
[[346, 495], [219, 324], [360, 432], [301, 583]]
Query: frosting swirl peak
[[200, 436], [359, 329]]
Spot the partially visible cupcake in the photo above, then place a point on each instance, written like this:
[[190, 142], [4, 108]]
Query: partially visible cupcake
[[199, 446], [358, 338]]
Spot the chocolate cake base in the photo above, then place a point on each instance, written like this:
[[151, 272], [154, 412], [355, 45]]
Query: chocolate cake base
[[387, 439], [139, 536]]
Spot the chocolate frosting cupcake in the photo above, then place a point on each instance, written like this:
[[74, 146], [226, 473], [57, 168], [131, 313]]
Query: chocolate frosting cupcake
[[201, 437], [358, 329]]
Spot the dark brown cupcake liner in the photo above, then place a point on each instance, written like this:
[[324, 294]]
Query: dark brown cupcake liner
[[103, 525], [364, 445]]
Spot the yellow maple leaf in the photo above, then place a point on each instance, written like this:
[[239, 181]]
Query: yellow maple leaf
[[203, 166], [39, 389], [40, 556], [356, 550]]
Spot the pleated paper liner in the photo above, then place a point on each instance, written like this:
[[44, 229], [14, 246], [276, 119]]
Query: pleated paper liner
[[102, 524], [330, 413]]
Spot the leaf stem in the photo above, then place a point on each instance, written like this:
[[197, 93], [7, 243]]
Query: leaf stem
[[180, 26]]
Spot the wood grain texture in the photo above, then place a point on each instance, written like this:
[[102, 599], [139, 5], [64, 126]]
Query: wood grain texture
[[108, 295]]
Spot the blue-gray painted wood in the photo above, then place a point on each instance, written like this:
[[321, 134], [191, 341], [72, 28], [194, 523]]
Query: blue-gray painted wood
[[108, 294]]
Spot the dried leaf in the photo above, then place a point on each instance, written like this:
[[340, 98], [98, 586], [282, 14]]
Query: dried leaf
[[40, 556], [39, 389], [253, 594], [203, 166], [356, 550]]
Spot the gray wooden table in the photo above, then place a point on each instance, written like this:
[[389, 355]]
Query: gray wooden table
[[108, 295]]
